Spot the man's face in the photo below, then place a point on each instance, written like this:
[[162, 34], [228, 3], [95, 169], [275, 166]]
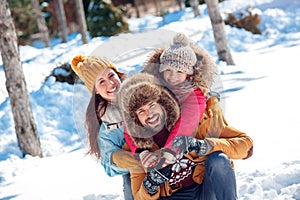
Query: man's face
[[152, 115]]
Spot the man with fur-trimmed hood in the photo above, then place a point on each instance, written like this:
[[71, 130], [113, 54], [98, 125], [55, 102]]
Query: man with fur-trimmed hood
[[142, 94]]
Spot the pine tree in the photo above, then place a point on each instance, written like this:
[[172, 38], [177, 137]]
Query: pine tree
[[105, 20], [24, 20]]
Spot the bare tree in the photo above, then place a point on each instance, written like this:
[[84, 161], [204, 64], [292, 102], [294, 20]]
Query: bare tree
[[25, 127], [179, 3], [194, 4], [219, 31], [41, 22], [161, 11], [136, 6], [81, 20], [62, 19]]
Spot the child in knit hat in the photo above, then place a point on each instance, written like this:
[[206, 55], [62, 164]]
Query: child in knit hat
[[177, 65]]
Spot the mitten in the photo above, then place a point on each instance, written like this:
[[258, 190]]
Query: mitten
[[167, 157], [186, 144], [215, 113], [156, 178]]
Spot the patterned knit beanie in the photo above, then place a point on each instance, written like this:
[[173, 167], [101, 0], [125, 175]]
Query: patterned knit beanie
[[88, 68], [179, 55]]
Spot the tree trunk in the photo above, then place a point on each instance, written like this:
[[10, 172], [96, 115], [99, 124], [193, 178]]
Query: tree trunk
[[25, 127], [136, 4], [194, 4], [179, 3], [219, 31], [41, 22], [81, 20], [62, 20], [161, 11]]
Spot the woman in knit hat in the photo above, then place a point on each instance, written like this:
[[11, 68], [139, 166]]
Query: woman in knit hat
[[103, 80]]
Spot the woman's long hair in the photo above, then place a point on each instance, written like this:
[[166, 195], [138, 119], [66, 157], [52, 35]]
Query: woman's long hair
[[94, 112]]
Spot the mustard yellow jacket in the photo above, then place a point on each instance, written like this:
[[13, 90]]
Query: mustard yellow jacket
[[232, 142]]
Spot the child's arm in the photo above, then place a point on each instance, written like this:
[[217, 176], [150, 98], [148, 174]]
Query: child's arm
[[129, 142], [191, 112]]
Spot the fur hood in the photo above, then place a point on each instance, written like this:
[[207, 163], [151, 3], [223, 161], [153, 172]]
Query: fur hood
[[204, 70], [135, 92]]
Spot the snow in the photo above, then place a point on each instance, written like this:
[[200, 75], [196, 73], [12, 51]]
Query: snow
[[260, 98]]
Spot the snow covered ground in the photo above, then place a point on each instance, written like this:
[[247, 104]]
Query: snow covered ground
[[260, 98]]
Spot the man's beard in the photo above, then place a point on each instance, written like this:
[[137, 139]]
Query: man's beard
[[157, 128]]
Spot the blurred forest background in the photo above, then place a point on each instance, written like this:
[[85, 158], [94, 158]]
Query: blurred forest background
[[39, 20], [102, 17]]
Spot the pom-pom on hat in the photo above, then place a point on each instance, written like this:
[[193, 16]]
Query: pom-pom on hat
[[179, 55], [88, 67]]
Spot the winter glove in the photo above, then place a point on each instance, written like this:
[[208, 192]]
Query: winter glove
[[156, 178], [216, 115], [157, 159], [186, 144]]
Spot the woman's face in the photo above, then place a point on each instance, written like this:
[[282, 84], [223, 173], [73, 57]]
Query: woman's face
[[107, 84]]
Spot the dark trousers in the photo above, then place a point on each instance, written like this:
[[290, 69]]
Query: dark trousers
[[127, 187], [219, 182]]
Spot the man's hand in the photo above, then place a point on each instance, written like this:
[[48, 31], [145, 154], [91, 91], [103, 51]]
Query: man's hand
[[158, 159], [186, 144], [149, 159], [215, 113], [156, 178]]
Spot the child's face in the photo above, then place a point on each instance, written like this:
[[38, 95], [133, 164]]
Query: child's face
[[173, 76]]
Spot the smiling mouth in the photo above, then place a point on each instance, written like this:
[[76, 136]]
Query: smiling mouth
[[114, 90], [172, 82], [153, 121]]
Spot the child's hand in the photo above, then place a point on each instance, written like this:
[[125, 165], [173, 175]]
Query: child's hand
[[186, 144]]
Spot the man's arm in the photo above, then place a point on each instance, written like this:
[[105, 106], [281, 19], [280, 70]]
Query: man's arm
[[235, 143]]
